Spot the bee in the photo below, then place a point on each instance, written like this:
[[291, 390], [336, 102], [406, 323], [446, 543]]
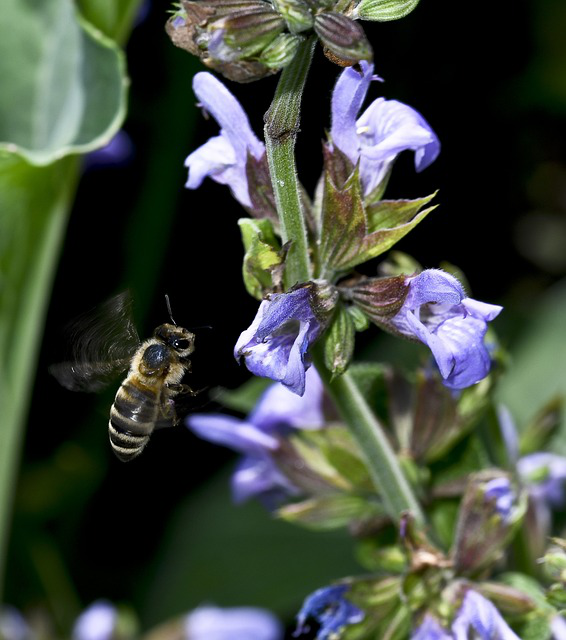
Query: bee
[[104, 343]]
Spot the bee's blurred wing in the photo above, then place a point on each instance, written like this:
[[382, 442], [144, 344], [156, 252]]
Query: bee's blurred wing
[[102, 344]]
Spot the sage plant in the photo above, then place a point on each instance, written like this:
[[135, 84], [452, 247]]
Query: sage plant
[[364, 451]]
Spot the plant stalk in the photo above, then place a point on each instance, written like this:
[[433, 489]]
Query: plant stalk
[[383, 466], [282, 122]]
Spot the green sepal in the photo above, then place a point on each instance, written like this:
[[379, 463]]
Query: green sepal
[[343, 38], [281, 51], [343, 223], [296, 13], [339, 340], [328, 512], [63, 82], [333, 454], [383, 10], [379, 298], [481, 532], [359, 318], [260, 190], [263, 262]]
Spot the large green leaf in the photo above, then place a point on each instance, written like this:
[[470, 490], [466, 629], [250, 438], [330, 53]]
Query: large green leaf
[[34, 204], [63, 82]]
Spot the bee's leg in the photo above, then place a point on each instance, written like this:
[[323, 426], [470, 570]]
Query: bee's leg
[[167, 415], [178, 389]]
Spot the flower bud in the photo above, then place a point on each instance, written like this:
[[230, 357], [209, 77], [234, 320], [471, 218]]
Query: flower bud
[[383, 10], [296, 13], [344, 40], [489, 510], [281, 51]]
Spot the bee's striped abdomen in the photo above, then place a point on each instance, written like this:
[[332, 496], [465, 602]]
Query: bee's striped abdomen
[[132, 418]]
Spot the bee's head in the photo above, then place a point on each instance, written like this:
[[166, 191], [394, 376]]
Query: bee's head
[[178, 338]]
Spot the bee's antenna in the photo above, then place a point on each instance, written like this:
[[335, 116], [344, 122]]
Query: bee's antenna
[[169, 309]]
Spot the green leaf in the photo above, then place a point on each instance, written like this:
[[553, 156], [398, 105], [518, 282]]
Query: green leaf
[[339, 340], [34, 202], [63, 82], [113, 17], [262, 258], [383, 10], [324, 513]]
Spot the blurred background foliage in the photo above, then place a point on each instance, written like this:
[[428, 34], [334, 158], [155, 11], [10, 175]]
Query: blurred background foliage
[[160, 534]]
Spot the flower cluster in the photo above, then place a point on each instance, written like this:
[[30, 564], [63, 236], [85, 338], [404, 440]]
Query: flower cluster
[[249, 39], [353, 225]]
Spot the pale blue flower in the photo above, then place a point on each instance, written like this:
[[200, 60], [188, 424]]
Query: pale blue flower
[[479, 615], [545, 477], [257, 437], [330, 609], [381, 133], [237, 623], [96, 623], [437, 312], [224, 157], [276, 343], [13, 625]]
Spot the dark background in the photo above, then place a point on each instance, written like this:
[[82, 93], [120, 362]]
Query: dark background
[[493, 87]]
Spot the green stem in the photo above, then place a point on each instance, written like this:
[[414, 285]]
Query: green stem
[[281, 128], [380, 458]]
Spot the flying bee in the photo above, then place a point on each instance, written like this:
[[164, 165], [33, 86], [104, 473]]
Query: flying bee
[[104, 343]]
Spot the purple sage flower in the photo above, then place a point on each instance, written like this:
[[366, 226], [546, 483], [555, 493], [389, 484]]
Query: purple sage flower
[[98, 622], [223, 158], [545, 477], [275, 345], [500, 492], [437, 312], [330, 609], [479, 615], [430, 629], [381, 133], [118, 152], [277, 411], [237, 623]]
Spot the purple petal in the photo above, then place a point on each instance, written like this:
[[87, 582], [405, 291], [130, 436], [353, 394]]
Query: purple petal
[[228, 112], [259, 477], [479, 614], [331, 609], [385, 129], [500, 491], [545, 476], [347, 99], [558, 627], [430, 629], [211, 159], [13, 625], [278, 406], [275, 344], [231, 432], [238, 623], [436, 312]]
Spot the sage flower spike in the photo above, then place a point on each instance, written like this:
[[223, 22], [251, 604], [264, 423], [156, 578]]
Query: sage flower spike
[[381, 133], [437, 312], [224, 157]]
